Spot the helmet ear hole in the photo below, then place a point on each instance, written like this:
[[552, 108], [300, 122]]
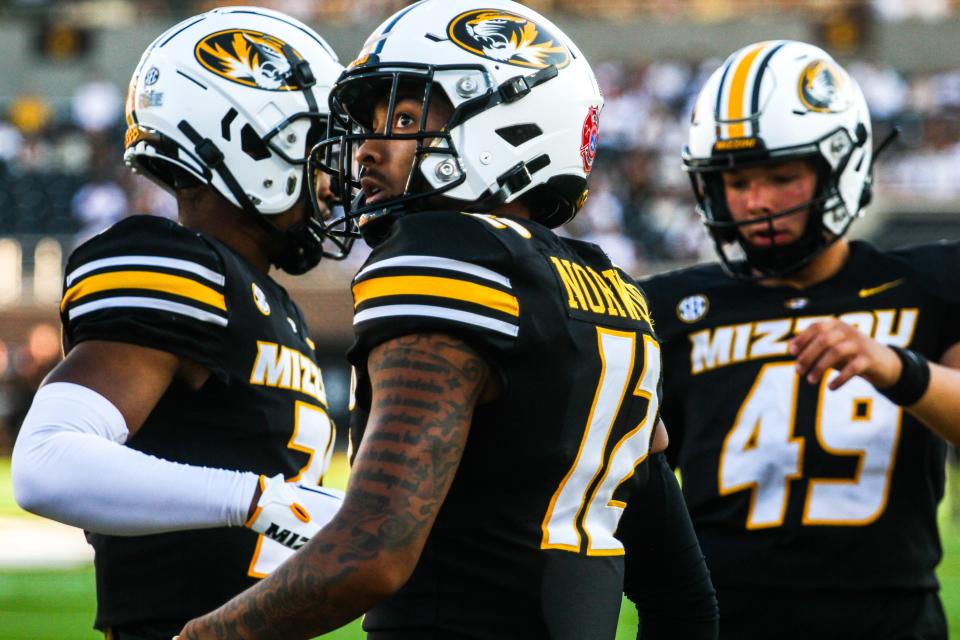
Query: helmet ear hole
[[252, 144], [862, 135], [519, 133]]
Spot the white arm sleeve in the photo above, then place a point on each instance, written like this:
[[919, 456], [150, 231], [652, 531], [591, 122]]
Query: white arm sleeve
[[69, 464]]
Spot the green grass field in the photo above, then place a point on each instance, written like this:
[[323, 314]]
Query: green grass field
[[59, 604]]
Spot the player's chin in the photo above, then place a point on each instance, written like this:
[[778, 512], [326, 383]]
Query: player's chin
[[373, 196], [769, 240]]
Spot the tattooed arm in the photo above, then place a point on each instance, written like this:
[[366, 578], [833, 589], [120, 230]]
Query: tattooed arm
[[425, 388]]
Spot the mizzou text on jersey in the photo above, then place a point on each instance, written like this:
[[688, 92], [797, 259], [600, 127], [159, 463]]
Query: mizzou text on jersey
[[788, 482]]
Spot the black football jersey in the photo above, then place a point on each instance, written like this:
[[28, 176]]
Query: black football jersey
[[151, 282], [523, 546], [791, 485]]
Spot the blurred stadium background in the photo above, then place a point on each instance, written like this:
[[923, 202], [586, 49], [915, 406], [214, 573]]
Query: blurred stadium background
[[63, 73]]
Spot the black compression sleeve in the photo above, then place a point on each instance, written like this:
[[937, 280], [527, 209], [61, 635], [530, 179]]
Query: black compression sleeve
[[666, 574]]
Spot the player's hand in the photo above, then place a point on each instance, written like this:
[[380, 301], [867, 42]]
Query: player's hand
[[195, 630], [833, 344], [289, 514], [185, 634]]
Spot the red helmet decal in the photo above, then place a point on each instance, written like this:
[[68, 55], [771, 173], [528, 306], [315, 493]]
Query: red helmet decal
[[590, 138]]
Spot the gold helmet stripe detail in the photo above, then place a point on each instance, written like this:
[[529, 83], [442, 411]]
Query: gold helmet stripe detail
[[738, 88], [176, 285], [435, 286]]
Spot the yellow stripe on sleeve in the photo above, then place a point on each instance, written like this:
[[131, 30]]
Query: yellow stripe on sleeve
[[435, 286], [737, 97], [149, 280]]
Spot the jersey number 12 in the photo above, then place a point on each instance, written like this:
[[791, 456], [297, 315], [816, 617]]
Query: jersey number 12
[[581, 496]]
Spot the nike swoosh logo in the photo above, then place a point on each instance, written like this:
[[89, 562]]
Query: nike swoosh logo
[[866, 293]]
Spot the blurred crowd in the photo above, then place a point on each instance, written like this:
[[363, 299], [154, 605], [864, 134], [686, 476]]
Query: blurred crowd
[[61, 170], [22, 368], [340, 11]]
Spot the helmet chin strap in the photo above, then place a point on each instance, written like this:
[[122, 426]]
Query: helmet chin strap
[[776, 260], [785, 259], [302, 247], [789, 258], [782, 260]]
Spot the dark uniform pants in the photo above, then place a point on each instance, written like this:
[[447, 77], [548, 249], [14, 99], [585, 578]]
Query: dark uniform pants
[[831, 615]]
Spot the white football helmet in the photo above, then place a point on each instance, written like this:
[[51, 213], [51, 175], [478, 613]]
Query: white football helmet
[[235, 98], [525, 110], [772, 102]]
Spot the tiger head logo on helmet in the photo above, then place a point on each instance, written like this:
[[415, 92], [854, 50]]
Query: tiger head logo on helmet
[[507, 37], [249, 58]]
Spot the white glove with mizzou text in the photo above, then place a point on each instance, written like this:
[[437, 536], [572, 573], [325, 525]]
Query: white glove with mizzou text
[[287, 515]]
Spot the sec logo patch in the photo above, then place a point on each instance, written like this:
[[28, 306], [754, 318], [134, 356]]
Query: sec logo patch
[[260, 299], [692, 308]]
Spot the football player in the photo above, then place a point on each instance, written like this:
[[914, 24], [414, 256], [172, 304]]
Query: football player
[[808, 378], [190, 401], [507, 379]]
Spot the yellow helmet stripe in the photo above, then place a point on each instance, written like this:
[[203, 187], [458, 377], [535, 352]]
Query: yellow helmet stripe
[[434, 286], [149, 280], [737, 95]]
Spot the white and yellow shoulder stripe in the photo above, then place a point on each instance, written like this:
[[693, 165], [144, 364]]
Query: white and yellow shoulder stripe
[[435, 287], [171, 285]]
